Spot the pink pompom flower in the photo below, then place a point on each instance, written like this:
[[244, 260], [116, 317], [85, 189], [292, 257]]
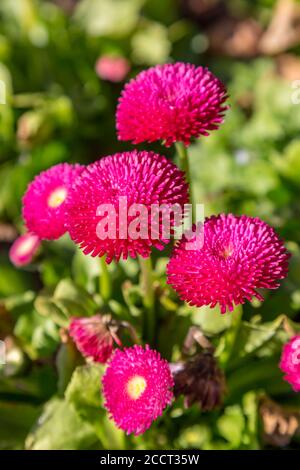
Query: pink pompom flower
[[137, 387], [103, 198], [94, 336], [23, 249], [290, 362], [171, 102], [44, 200], [239, 255], [112, 68]]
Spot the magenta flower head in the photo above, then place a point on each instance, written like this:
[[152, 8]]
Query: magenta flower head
[[172, 102], [113, 208], [239, 255], [290, 362], [112, 68], [137, 387], [94, 336], [44, 200], [23, 249]]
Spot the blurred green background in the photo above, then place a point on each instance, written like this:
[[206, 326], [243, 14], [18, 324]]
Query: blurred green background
[[58, 109]]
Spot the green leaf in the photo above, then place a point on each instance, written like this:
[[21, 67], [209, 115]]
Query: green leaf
[[261, 339], [89, 404], [68, 300], [60, 428], [39, 336], [231, 425]]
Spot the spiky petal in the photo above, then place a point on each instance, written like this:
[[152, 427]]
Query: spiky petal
[[44, 200], [137, 388], [290, 362], [171, 102], [139, 178], [239, 255], [92, 337]]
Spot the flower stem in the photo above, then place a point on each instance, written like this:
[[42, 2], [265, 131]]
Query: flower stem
[[185, 166], [147, 287], [104, 281]]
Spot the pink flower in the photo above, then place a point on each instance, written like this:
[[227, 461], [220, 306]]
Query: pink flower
[[23, 249], [44, 200], [238, 256], [112, 68], [290, 362], [93, 337], [137, 387], [172, 102], [108, 189]]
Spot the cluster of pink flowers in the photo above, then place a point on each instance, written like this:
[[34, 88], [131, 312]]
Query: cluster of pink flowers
[[240, 255]]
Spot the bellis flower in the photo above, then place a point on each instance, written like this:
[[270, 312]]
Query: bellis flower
[[137, 388], [112, 68], [99, 209], [94, 336], [239, 255], [44, 200], [290, 362], [23, 249], [172, 103]]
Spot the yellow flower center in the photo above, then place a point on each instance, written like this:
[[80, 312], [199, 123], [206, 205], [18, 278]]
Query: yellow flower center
[[136, 387], [57, 197]]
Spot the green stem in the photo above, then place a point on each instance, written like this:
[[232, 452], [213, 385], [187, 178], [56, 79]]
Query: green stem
[[104, 281], [231, 335], [149, 299], [185, 166]]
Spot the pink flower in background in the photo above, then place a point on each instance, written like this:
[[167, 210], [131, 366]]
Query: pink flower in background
[[137, 177], [93, 337], [172, 102], [239, 256], [112, 68], [44, 200], [290, 362], [137, 387], [23, 249]]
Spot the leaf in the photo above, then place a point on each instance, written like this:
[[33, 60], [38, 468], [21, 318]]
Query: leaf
[[261, 339], [60, 428], [39, 336], [68, 300], [211, 321], [89, 404], [231, 425]]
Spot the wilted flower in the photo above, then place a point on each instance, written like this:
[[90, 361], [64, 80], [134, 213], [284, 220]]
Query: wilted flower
[[200, 380], [172, 102], [137, 387], [239, 255], [112, 68], [290, 362], [23, 249], [108, 191], [94, 336], [44, 200]]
